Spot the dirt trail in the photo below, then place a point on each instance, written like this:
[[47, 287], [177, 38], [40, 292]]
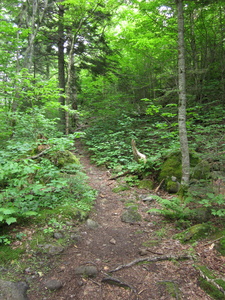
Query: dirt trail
[[114, 243]]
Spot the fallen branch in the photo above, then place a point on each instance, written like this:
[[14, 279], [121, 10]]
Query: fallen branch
[[151, 259], [159, 186], [39, 154], [138, 156]]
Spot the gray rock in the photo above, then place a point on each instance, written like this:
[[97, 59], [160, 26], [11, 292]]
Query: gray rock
[[53, 284], [89, 271], [13, 290], [54, 250], [92, 224], [131, 216], [58, 235]]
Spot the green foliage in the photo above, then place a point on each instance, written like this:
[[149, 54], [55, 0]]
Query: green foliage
[[29, 185], [216, 204], [174, 208], [5, 240]]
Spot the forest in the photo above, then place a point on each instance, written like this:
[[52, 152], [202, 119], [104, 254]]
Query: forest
[[104, 73]]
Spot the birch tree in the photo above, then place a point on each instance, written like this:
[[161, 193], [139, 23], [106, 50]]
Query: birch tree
[[182, 97]]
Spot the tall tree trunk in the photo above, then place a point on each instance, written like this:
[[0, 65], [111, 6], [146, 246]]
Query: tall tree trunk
[[33, 22], [182, 97], [61, 64]]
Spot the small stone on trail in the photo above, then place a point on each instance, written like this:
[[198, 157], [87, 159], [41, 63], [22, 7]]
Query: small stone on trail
[[143, 252], [131, 216], [89, 271], [92, 224], [113, 241], [54, 250], [53, 284]]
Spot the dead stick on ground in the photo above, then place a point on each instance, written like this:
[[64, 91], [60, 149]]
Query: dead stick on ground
[[159, 186], [35, 156], [151, 259]]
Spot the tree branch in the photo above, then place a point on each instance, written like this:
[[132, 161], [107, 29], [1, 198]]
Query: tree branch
[[152, 259]]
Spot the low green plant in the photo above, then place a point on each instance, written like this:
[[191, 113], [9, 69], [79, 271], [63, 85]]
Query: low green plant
[[174, 208], [29, 185], [5, 240]]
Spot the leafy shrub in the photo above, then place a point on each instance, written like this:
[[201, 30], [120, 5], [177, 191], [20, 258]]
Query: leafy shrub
[[28, 185]]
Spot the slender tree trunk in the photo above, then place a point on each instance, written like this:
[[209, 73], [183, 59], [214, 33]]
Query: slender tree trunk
[[71, 94], [33, 22], [182, 97], [61, 64]]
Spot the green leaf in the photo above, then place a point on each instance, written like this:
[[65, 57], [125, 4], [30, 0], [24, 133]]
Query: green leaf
[[10, 220], [7, 211]]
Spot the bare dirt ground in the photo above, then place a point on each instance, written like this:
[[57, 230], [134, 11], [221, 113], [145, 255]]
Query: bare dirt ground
[[114, 243]]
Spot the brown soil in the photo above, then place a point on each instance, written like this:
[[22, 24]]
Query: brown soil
[[114, 243]]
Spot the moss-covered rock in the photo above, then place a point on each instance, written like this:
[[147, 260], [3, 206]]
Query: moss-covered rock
[[172, 186], [171, 171], [196, 232], [146, 184], [171, 167], [131, 216], [63, 158]]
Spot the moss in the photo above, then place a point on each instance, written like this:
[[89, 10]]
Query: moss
[[150, 243], [211, 289], [120, 188], [8, 255], [206, 271], [172, 288], [196, 232], [172, 186], [67, 212], [172, 167], [63, 158], [146, 184], [221, 246], [221, 283]]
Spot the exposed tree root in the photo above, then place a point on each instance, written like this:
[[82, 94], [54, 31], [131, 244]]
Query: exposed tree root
[[115, 281], [152, 259]]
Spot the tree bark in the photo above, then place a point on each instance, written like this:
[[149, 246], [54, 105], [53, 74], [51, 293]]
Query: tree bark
[[61, 64], [182, 97]]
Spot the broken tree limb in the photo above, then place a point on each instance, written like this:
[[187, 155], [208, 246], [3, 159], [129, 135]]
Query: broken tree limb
[[39, 154], [152, 259], [138, 156], [159, 186]]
